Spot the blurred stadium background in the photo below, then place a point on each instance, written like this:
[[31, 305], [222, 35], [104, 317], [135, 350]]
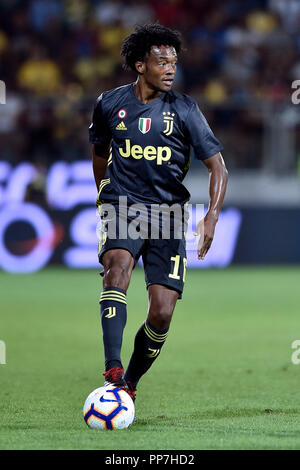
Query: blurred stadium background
[[240, 61]]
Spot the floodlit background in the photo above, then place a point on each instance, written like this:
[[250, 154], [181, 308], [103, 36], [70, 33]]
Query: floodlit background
[[240, 62]]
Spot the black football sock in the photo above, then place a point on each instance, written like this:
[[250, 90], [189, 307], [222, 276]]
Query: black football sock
[[113, 310], [147, 346]]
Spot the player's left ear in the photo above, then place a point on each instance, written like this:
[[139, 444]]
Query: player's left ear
[[140, 67]]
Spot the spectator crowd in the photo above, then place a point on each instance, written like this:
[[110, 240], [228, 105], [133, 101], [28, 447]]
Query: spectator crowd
[[57, 56]]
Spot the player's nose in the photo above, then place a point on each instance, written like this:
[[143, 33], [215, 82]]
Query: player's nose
[[170, 70], [169, 74]]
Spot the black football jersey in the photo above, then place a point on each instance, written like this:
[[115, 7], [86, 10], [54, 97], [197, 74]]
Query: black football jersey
[[150, 145]]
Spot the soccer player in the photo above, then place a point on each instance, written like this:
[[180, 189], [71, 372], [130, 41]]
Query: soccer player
[[141, 135]]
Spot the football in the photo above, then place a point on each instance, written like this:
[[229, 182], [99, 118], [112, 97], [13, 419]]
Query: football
[[108, 407]]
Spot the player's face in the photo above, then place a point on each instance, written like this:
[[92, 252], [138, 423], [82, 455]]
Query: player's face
[[160, 68]]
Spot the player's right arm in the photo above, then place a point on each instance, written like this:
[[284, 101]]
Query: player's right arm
[[100, 158]]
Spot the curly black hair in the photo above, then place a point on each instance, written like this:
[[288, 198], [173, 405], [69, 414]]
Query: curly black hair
[[135, 46]]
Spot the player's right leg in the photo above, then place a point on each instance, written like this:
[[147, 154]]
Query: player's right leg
[[118, 265]]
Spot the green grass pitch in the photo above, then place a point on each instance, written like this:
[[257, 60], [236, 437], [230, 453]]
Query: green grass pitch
[[227, 360]]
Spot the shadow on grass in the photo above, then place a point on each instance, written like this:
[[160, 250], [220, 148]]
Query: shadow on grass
[[241, 413], [218, 414], [19, 427]]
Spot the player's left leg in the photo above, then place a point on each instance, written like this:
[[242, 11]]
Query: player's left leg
[[164, 264], [152, 335]]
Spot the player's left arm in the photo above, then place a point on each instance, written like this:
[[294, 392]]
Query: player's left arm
[[217, 189]]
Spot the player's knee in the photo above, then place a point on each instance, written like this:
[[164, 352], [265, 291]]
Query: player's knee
[[117, 276], [160, 317]]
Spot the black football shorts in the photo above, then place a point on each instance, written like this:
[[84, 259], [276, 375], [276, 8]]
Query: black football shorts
[[164, 260]]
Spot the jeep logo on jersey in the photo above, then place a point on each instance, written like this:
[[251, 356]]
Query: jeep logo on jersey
[[144, 125], [160, 154]]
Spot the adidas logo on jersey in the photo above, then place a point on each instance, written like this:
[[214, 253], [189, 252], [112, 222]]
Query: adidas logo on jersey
[[121, 127]]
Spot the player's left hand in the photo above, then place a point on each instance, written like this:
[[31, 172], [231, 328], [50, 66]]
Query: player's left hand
[[206, 229]]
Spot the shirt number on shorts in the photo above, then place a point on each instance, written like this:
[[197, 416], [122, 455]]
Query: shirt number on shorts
[[174, 274]]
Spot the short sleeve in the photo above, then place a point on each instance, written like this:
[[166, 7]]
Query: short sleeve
[[99, 131], [200, 135]]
